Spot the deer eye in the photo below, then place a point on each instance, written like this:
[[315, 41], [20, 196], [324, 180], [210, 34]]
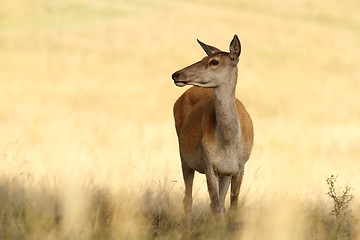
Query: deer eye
[[214, 62]]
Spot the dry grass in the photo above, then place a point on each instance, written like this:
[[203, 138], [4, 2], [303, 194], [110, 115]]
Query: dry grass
[[88, 147]]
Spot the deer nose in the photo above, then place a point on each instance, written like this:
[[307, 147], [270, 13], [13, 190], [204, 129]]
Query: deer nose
[[175, 75]]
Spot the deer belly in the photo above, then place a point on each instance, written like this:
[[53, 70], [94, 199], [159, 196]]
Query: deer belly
[[194, 160]]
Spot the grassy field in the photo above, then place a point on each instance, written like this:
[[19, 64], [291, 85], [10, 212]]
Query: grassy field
[[88, 148]]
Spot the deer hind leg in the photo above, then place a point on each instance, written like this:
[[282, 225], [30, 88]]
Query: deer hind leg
[[224, 183], [188, 175], [235, 188]]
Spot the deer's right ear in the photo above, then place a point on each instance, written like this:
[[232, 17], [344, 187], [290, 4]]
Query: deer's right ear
[[207, 48], [235, 48]]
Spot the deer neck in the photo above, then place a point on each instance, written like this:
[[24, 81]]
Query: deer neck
[[228, 124]]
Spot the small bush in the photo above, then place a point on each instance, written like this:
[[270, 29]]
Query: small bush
[[341, 202], [342, 225]]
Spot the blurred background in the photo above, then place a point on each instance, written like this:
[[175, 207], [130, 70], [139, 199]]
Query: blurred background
[[86, 121]]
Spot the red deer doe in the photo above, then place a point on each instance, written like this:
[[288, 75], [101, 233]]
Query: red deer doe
[[214, 129]]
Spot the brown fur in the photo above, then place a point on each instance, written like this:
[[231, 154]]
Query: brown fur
[[215, 131], [194, 115]]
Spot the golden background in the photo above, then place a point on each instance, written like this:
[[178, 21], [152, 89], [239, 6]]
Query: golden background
[[86, 100]]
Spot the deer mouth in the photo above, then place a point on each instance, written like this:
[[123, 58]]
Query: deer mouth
[[180, 83]]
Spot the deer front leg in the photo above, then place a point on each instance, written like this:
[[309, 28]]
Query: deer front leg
[[224, 183], [212, 180], [188, 175], [235, 187]]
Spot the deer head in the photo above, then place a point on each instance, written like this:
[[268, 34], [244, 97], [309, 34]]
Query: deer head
[[213, 70]]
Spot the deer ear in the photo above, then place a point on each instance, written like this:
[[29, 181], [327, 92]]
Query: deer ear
[[207, 48], [235, 48]]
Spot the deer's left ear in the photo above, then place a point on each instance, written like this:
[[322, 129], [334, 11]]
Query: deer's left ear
[[235, 48], [207, 48]]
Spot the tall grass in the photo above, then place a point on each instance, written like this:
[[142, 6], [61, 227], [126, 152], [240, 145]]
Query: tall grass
[[30, 213], [88, 148]]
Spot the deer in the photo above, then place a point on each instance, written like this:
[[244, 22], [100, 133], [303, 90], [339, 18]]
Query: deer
[[215, 132]]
